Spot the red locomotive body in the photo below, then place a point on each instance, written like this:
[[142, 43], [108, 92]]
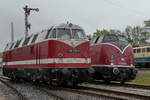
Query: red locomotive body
[[58, 56], [112, 58]]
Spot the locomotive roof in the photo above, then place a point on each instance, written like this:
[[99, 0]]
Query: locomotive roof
[[70, 25], [40, 37]]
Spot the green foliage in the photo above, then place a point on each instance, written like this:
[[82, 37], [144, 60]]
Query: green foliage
[[136, 35], [89, 36], [100, 32]]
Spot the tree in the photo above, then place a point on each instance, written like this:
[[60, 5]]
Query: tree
[[137, 35], [100, 32], [114, 31], [128, 32], [89, 36]]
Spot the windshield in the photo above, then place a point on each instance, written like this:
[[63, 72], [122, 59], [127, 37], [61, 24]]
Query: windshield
[[78, 33], [64, 33], [122, 38], [118, 40], [110, 38]]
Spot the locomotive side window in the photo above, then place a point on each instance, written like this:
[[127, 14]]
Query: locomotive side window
[[24, 51], [26, 41], [143, 49], [34, 38], [138, 50], [78, 33], [148, 49], [17, 44], [63, 33]]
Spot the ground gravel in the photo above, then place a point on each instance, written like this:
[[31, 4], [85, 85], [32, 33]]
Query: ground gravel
[[7, 92], [30, 92]]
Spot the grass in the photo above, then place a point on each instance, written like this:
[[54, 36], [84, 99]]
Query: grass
[[143, 78]]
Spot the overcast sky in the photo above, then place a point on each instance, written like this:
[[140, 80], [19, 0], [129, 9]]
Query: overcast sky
[[90, 14]]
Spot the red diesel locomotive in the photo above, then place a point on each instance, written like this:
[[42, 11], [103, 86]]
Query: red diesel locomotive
[[57, 56], [112, 58]]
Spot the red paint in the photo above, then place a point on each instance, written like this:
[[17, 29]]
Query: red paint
[[100, 55], [45, 50]]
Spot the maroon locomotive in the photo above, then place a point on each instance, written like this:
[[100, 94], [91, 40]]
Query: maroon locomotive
[[112, 58], [59, 55]]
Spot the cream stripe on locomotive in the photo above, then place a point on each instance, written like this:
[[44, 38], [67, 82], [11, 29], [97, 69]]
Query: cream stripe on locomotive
[[111, 66], [116, 46], [51, 61]]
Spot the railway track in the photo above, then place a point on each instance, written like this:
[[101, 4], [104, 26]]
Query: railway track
[[20, 96], [61, 93], [122, 85], [78, 94], [43, 91], [115, 93]]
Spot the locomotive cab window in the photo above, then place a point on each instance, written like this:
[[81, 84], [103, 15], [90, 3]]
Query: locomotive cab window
[[63, 33], [122, 38], [110, 38], [78, 34]]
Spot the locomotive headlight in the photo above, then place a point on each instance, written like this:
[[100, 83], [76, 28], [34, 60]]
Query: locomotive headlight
[[112, 59]]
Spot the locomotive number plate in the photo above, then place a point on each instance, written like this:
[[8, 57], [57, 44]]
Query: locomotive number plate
[[73, 51]]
